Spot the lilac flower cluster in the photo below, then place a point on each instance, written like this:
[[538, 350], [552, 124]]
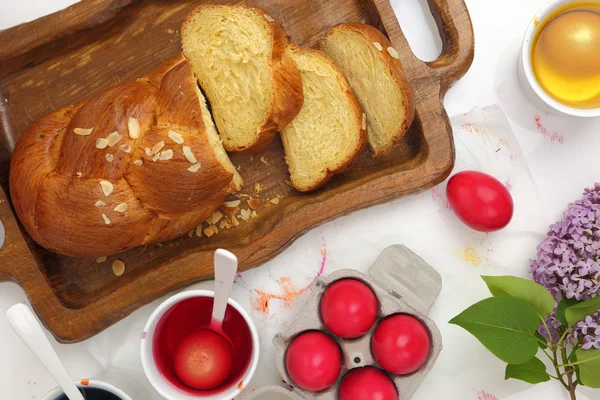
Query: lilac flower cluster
[[567, 262]]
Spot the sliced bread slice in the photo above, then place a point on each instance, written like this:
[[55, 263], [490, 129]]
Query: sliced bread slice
[[238, 56], [329, 134], [371, 65]]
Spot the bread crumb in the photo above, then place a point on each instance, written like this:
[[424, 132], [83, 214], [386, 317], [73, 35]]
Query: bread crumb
[[79, 174], [171, 31], [235, 221], [253, 203], [125, 148], [264, 161], [253, 215], [239, 167], [138, 163], [223, 223], [275, 200], [216, 217], [191, 233], [258, 188], [244, 214], [100, 260], [118, 267], [287, 182], [109, 157]]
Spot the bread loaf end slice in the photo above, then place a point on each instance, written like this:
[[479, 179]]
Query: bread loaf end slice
[[328, 135], [238, 55], [371, 65]]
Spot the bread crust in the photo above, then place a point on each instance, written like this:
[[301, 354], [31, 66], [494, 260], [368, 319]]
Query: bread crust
[[55, 173], [356, 154], [287, 96], [372, 35]]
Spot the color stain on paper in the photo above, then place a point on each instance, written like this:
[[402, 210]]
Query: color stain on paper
[[440, 198], [482, 395], [551, 136], [508, 185], [469, 255], [289, 294], [260, 300]]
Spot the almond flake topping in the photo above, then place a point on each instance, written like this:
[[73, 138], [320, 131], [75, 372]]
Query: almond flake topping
[[118, 267], [269, 18], [155, 158], [378, 46], [100, 203], [107, 187], [79, 174], [275, 200], [101, 143], [195, 167], [364, 121], [216, 217], [393, 53], [138, 163], [125, 147], [148, 151], [187, 152], [232, 204], [83, 131], [158, 147], [100, 260], [176, 137], [199, 231], [253, 203], [166, 155], [113, 138], [106, 220], [134, 128], [109, 157], [121, 207]]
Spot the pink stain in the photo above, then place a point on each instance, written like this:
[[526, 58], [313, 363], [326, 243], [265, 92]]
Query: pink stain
[[482, 395], [508, 185], [439, 197], [144, 334], [552, 136], [324, 256]]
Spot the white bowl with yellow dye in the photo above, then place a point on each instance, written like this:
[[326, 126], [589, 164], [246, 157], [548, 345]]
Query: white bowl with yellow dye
[[560, 58]]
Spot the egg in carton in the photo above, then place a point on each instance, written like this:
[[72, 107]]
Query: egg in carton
[[403, 284]]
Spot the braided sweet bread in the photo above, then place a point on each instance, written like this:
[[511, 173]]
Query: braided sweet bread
[[138, 163]]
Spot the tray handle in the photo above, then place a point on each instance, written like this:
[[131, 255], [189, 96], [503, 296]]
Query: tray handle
[[15, 253], [456, 31]]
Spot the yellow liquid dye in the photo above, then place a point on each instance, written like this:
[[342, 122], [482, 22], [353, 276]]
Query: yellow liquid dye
[[566, 55]]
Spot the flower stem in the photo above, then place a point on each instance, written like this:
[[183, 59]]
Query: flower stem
[[569, 372], [555, 363], [548, 331]]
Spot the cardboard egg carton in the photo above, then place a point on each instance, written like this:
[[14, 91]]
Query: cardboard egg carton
[[403, 283]]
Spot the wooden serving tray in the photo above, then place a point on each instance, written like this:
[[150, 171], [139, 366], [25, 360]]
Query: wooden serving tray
[[65, 57]]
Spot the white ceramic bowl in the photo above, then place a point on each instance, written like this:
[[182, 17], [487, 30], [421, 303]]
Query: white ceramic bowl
[[92, 383], [527, 77], [163, 386]]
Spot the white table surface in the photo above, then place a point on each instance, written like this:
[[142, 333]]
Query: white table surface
[[559, 168]]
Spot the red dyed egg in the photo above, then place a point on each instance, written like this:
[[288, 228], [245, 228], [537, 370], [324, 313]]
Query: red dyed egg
[[203, 360], [349, 308], [401, 344], [367, 383], [480, 201], [313, 361]]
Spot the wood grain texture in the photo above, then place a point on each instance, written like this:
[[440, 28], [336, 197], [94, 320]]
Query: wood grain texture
[[66, 57]]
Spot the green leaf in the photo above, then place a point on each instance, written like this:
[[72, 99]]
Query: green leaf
[[533, 371], [543, 339], [505, 325], [579, 311], [589, 367], [537, 296], [562, 307]]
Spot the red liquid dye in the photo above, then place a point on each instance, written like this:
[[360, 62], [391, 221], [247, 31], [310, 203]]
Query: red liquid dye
[[189, 316]]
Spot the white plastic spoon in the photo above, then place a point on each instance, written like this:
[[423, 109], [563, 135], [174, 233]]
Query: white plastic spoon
[[226, 265], [29, 330]]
